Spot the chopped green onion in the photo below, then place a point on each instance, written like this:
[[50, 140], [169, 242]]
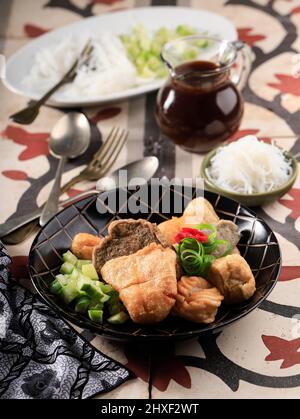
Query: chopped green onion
[[144, 47], [195, 257], [208, 227]]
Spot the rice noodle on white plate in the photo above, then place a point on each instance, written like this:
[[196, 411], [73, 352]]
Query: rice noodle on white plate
[[108, 70], [249, 166]]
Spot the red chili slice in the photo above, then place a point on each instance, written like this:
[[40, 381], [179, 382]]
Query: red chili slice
[[193, 233]]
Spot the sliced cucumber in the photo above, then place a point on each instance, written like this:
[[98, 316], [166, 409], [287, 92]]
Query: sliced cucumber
[[66, 268], [107, 289], [63, 279], [95, 306], [56, 287], [81, 262], [82, 304], [96, 315], [70, 292], [94, 292], [90, 271], [75, 274], [78, 283], [69, 257], [104, 298], [118, 318]]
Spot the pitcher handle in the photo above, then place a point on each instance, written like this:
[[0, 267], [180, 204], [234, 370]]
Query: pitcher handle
[[241, 79]]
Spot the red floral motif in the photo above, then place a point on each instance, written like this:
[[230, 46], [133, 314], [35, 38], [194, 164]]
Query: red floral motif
[[279, 348], [35, 143], [106, 113], [288, 273], [293, 204], [73, 192], [287, 84], [33, 31], [15, 174], [245, 35], [19, 267], [165, 366], [295, 10], [243, 132]]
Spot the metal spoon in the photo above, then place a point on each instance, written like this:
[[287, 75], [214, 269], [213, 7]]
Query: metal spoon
[[143, 169], [69, 138]]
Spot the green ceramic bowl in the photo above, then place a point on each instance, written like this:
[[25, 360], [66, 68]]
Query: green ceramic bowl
[[250, 200]]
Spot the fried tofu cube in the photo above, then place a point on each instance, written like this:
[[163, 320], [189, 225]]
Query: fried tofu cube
[[233, 278], [83, 245]]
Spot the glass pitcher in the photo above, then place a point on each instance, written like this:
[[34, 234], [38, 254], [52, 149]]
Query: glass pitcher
[[200, 105]]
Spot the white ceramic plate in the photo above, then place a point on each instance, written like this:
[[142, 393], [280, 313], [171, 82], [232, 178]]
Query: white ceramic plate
[[118, 22]]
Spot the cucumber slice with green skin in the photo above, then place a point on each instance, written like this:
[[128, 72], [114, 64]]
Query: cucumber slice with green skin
[[118, 318], [95, 293], [56, 287], [70, 292], [75, 274], [95, 305], [82, 304], [81, 262], [63, 279], [90, 271], [105, 298], [69, 257], [96, 315], [107, 289], [82, 279], [66, 268]]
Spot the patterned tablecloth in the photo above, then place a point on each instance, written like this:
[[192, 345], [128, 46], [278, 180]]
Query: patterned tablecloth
[[258, 356]]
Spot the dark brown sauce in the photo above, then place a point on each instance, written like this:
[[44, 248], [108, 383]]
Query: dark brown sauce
[[197, 108]]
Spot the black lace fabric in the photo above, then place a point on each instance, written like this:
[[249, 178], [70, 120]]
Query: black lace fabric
[[41, 356]]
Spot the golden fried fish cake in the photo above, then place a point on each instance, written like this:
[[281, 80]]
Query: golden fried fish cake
[[146, 282], [83, 245], [197, 300], [171, 228], [198, 211], [233, 278]]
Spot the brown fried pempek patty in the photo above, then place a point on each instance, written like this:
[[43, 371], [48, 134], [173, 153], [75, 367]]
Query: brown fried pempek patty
[[126, 237]]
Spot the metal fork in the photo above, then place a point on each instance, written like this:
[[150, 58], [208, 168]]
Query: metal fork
[[16, 230], [103, 159], [27, 115]]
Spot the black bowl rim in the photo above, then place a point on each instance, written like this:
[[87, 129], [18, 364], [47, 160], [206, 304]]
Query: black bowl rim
[[125, 336]]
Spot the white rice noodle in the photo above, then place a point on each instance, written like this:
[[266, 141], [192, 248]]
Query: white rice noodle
[[107, 71], [249, 166]]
